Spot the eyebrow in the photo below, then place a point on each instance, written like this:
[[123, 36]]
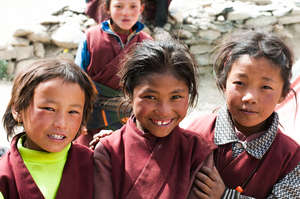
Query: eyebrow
[[264, 78], [268, 79], [53, 102], [174, 91]]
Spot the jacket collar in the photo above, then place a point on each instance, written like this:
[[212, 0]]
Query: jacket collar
[[225, 133]]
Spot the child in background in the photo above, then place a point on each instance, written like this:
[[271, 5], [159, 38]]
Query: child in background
[[156, 11], [151, 156], [51, 100], [100, 54], [254, 159]]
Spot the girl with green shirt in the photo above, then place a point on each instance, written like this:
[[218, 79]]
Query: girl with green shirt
[[51, 100]]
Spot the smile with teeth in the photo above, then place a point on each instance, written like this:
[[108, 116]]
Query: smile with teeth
[[57, 137], [162, 122]]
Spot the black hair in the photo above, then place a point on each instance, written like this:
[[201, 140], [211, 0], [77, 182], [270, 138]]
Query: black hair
[[158, 57], [256, 44], [40, 71], [107, 3]]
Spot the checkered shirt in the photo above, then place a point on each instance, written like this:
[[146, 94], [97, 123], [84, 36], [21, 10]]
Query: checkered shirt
[[288, 187]]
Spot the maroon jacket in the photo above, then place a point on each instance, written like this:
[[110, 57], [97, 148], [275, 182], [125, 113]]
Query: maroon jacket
[[77, 179], [282, 157], [144, 166], [106, 53]]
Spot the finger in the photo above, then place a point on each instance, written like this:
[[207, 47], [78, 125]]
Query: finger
[[204, 185], [203, 175], [102, 133], [94, 142], [210, 172], [105, 134], [200, 194]]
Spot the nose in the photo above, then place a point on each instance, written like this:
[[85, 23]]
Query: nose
[[164, 109], [250, 97], [125, 11], [60, 121]]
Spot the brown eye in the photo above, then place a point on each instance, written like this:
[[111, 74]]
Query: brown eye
[[48, 109], [267, 87]]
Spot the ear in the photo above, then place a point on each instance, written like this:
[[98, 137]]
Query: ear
[[16, 115], [142, 8]]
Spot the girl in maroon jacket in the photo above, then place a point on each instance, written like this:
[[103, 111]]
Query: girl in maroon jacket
[[51, 100], [254, 159], [151, 156], [100, 54]]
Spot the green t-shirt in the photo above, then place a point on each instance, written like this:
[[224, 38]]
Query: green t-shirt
[[45, 168]]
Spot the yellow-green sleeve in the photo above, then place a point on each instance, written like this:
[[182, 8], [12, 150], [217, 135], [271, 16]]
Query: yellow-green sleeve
[[1, 196]]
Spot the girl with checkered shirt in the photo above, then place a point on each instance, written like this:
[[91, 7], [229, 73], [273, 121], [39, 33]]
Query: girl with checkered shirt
[[254, 158]]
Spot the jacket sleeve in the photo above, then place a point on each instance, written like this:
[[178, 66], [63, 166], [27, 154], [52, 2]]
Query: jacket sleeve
[[208, 162], [102, 173], [288, 187], [82, 58]]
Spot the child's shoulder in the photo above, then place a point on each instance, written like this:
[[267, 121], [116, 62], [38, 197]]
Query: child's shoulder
[[80, 149], [145, 36], [5, 165], [94, 28], [114, 137], [191, 137], [286, 141], [202, 122]]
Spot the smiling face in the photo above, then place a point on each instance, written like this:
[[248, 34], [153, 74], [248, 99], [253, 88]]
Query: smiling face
[[54, 116], [253, 89], [125, 13], [159, 103]]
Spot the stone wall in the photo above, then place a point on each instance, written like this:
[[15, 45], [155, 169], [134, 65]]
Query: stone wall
[[201, 27]]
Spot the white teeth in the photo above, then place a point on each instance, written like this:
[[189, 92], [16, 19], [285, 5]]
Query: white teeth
[[163, 123], [58, 137]]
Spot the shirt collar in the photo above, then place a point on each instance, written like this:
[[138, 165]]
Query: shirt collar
[[224, 134]]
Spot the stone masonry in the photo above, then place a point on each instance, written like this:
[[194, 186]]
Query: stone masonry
[[200, 28]]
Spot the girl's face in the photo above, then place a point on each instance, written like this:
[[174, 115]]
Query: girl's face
[[253, 89], [54, 116], [160, 102], [125, 13]]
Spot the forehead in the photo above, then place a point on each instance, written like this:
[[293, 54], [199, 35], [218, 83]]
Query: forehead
[[255, 67], [125, 1], [59, 89], [165, 81]]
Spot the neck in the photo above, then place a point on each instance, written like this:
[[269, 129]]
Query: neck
[[119, 30]]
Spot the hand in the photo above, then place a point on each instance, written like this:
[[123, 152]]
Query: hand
[[208, 183], [98, 136]]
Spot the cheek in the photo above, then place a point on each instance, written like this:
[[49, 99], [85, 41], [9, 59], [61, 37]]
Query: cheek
[[230, 94], [184, 105], [33, 115], [75, 122], [268, 98], [140, 108]]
